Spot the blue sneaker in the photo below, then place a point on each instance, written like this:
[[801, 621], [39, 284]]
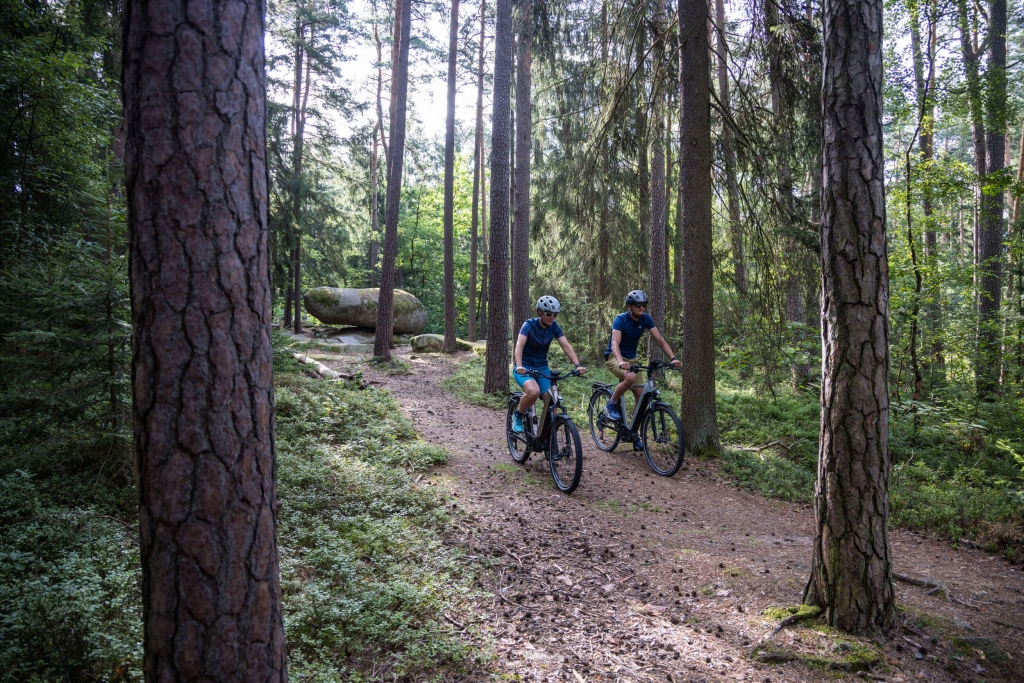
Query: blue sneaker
[[638, 444], [517, 422], [612, 408]]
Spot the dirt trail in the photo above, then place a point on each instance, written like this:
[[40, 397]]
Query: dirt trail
[[636, 577]]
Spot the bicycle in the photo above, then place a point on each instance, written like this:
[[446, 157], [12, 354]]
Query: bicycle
[[659, 429], [554, 433]]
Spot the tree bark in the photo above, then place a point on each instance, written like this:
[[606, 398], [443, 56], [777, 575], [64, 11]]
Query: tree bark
[[523, 136], [974, 99], [478, 165], [301, 100], [378, 135], [449, 189], [851, 570], [658, 241], [603, 240], [739, 268], [202, 373], [697, 408], [990, 244], [483, 239], [496, 376], [386, 297]]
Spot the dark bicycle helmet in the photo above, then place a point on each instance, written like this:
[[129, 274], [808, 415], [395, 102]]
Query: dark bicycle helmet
[[548, 304], [637, 296]]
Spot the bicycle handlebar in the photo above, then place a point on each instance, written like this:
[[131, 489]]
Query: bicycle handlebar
[[654, 365], [554, 377]]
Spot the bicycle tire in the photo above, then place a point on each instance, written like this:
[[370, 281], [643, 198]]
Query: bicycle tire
[[664, 442], [603, 430], [517, 444], [565, 454]]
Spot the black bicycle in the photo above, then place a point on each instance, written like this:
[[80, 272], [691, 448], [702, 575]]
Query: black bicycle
[[552, 432], [653, 421]]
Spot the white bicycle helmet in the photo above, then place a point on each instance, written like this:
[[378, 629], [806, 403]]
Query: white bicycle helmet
[[637, 296], [548, 304]]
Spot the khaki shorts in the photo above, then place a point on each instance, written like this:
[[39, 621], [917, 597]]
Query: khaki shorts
[[614, 368]]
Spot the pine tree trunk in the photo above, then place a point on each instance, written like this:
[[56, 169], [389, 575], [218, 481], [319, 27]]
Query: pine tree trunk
[[851, 570], [523, 137], [478, 162], [603, 238], [483, 239], [202, 361], [974, 99], [449, 189], [697, 409], [658, 245], [990, 244], [378, 135], [386, 298], [739, 268], [496, 377]]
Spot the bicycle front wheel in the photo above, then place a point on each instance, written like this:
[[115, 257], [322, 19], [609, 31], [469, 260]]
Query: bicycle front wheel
[[518, 446], [565, 455], [603, 429], [663, 440]]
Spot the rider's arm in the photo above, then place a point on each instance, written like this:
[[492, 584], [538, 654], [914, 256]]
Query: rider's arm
[[517, 355], [568, 350], [616, 340], [663, 344]]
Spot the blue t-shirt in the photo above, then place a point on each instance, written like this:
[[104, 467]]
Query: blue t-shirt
[[538, 339], [631, 333]]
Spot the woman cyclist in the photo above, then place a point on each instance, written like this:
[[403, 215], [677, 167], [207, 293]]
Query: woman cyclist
[[531, 353]]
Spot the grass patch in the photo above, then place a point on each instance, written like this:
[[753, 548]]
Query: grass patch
[[394, 366]]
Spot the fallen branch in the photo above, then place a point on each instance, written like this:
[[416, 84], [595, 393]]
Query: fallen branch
[[923, 583], [321, 369]]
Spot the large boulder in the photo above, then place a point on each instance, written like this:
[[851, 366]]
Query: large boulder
[[358, 307], [433, 343]]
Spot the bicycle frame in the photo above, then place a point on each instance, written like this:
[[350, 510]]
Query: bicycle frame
[[551, 402], [647, 396]]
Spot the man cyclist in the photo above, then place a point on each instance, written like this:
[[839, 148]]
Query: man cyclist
[[627, 328], [531, 353]]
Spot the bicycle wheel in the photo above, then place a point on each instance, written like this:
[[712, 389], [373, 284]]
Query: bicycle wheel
[[517, 444], [663, 440], [603, 429], [565, 455]]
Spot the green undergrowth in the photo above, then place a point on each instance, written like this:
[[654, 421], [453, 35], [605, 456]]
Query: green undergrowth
[[366, 574]]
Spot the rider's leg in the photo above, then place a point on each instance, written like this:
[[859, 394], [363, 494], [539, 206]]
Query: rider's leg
[[531, 392], [628, 378]]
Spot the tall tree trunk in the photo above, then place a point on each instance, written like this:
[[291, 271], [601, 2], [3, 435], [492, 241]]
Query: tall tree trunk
[[478, 166], [990, 246], [658, 245], [288, 299], [483, 239], [298, 146], [523, 137], [202, 361], [449, 188], [851, 569], [739, 268], [603, 240], [386, 297], [378, 135], [496, 377], [697, 408], [974, 99]]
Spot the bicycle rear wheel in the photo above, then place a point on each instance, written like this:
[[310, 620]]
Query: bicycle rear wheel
[[603, 429], [663, 440], [518, 446], [565, 455]]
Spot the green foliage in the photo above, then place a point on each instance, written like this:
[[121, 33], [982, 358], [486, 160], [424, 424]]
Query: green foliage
[[365, 572], [70, 600]]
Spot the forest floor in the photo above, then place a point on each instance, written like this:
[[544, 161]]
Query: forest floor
[[636, 577]]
